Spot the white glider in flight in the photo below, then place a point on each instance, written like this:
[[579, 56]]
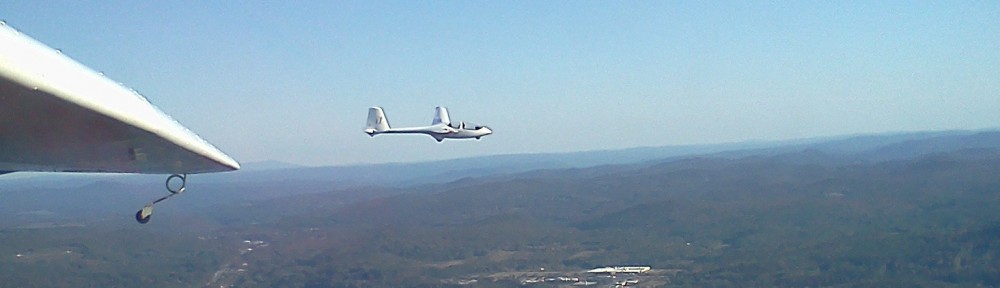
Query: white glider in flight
[[57, 115], [441, 128]]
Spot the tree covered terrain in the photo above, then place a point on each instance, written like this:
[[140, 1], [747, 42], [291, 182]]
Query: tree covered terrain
[[914, 212]]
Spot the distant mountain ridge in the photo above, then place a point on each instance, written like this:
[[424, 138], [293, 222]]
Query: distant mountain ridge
[[268, 165], [273, 179], [405, 174], [893, 145]]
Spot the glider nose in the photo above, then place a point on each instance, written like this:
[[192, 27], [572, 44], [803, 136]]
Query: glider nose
[[487, 130]]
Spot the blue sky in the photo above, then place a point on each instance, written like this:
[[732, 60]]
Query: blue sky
[[292, 80]]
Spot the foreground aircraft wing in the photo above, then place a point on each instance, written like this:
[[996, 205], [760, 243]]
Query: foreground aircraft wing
[[58, 115]]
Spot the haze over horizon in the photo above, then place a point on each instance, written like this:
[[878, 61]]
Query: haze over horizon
[[292, 82]]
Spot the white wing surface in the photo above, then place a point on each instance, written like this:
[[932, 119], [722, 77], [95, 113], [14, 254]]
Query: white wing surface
[[58, 115]]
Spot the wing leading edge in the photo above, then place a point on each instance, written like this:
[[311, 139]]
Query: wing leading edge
[[58, 115]]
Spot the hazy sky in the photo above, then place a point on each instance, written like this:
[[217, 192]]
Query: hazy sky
[[292, 80]]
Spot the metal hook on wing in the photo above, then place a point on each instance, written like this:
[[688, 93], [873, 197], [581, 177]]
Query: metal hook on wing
[[142, 216]]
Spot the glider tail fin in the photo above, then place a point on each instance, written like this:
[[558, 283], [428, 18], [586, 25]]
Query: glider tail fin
[[441, 116], [376, 121]]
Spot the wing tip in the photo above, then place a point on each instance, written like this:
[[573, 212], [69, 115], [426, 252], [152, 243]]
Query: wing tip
[[230, 164]]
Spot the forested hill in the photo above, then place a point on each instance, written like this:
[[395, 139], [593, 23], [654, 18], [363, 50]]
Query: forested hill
[[913, 214], [913, 211]]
